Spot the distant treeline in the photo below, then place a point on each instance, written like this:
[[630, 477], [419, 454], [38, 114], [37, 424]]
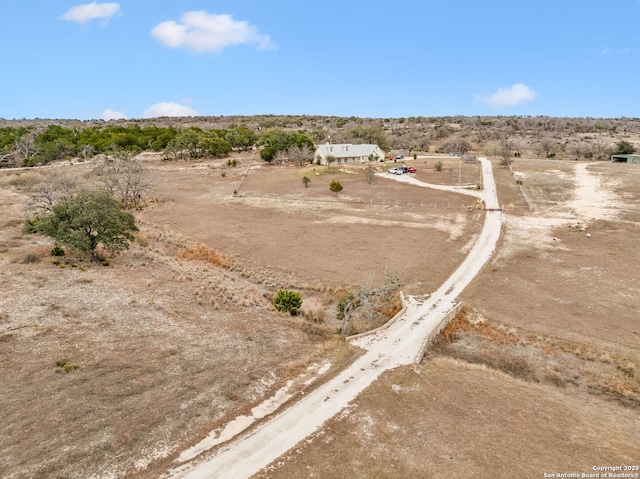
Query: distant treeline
[[26, 146], [280, 138]]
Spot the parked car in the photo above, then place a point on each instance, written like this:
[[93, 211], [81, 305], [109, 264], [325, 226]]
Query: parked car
[[400, 157], [396, 171], [411, 169]]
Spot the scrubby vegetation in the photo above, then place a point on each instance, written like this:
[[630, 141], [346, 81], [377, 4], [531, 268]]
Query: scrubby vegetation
[[38, 142], [287, 301], [540, 358], [85, 221]]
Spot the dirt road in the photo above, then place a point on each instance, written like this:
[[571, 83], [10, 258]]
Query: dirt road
[[395, 346]]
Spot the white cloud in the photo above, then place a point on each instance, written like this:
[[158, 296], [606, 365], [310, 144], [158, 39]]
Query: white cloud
[[202, 32], [509, 96], [110, 114], [608, 51], [168, 109], [91, 11]]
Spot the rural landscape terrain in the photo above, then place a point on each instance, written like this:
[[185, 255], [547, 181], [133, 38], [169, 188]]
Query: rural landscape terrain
[[131, 365]]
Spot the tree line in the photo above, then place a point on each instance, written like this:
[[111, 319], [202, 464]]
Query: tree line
[[287, 138], [28, 146]]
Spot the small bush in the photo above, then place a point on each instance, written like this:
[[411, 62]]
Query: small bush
[[142, 241], [65, 365], [335, 186], [439, 166], [287, 301], [30, 258], [518, 182], [57, 251], [232, 162]]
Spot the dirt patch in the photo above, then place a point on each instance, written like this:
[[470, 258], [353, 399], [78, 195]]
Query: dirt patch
[[549, 277], [310, 234], [446, 418]]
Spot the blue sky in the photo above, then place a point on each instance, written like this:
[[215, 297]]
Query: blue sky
[[401, 58]]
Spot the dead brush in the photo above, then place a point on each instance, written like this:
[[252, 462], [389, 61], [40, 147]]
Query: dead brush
[[497, 334], [391, 308], [459, 323], [204, 253], [317, 316]]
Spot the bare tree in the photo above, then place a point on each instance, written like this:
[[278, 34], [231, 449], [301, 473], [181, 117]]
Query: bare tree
[[87, 150], [46, 194], [281, 157], [370, 174], [25, 147], [330, 159], [7, 158], [504, 152], [459, 146], [124, 177], [600, 149], [367, 300], [547, 146], [300, 154]]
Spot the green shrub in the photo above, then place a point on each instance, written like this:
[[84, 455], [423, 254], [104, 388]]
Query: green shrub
[[86, 220], [65, 365], [518, 182], [57, 251], [30, 258], [438, 166], [287, 301], [335, 186]]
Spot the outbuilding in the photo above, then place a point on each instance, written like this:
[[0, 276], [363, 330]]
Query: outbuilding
[[625, 159]]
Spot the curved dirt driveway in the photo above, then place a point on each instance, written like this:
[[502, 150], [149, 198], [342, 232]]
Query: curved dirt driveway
[[395, 346]]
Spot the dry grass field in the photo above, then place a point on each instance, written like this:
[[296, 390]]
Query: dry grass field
[[178, 336], [451, 419], [540, 375]]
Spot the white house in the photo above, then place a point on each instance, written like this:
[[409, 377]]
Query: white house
[[346, 153]]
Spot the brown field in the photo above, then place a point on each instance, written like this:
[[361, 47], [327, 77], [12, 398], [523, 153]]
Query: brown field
[[177, 336], [450, 419]]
